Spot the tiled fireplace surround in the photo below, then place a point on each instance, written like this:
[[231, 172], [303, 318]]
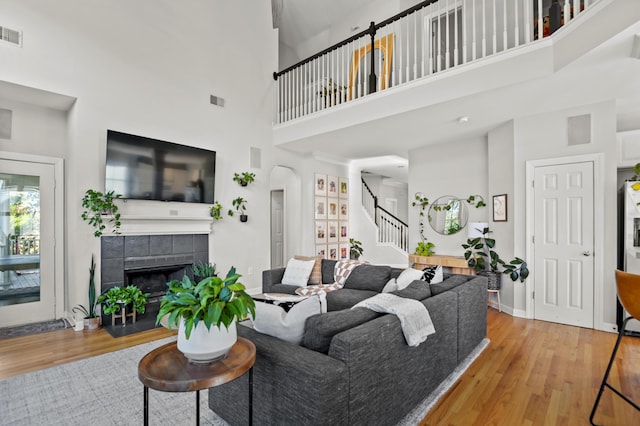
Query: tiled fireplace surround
[[148, 261]]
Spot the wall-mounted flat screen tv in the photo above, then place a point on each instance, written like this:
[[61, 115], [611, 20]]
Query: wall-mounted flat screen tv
[[142, 168]]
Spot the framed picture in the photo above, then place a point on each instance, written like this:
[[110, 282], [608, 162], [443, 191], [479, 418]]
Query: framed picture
[[344, 251], [343, 188], [500, 208], [321, 231], [332, 209], [383, 49], [332, 186], [321, 250], [320, 184], [321, 208], [343, 214], [344, 232], [332, 251], [332, 231]]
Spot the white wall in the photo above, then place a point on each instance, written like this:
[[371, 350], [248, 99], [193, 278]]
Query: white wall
[[544, 136], [500, 162], [458, 169], [148, 67]]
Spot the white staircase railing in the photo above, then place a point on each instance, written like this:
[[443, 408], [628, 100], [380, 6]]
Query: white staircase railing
[[426, 39], [391, 230]]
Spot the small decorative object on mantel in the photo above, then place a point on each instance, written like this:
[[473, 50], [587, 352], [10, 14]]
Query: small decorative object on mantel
[[240, 204], [216, 210], [201, 309], [97, 205], [244, 178]]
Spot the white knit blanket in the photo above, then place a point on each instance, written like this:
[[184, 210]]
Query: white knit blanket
[[414, 317]]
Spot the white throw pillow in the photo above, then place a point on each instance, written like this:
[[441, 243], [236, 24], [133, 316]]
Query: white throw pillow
[[432, 274], [391, 285], [297, 272], [408, 276], [289, 326]]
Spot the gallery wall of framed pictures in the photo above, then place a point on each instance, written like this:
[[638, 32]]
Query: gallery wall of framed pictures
[[331, 216]]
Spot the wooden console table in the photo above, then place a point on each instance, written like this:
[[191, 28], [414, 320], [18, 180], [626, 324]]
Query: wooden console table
[[166, 369], [458, 265]]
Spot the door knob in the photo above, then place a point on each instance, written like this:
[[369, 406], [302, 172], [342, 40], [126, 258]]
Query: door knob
[[586, 253]]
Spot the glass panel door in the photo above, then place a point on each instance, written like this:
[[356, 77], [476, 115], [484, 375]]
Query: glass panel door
[[26, 199]]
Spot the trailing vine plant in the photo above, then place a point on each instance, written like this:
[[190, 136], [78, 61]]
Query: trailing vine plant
[[424, 248]]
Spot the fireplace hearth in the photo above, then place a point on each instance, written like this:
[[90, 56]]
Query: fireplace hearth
[[148, 262]]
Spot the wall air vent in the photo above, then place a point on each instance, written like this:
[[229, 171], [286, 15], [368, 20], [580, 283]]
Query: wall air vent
[[216, 100], [8, 35]]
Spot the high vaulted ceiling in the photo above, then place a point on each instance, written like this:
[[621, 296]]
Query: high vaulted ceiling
[[299, 20]]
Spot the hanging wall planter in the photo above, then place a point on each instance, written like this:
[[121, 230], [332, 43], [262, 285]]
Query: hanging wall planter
[[240, 204], [244, 178]]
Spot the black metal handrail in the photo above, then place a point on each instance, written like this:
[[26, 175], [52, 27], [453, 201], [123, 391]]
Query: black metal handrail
[[373, 27]]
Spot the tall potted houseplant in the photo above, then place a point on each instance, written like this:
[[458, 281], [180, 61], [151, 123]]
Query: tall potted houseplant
[[206, 314], [481, 256], [91, 319]]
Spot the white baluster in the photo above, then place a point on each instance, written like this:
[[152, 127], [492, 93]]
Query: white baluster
[[447, 37], [415, 45], [408, 66], [504, 29], [576, 11], [516, 20], [438, 37], [429, 36], [455, 35], [566, 10], [424, 37], [484, 29], [540, 21], [494, 36], [474, 36]]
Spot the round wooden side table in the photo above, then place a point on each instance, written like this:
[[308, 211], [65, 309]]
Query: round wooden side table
[[166, 369]]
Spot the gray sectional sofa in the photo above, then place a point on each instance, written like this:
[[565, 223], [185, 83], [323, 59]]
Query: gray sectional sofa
[[354, 366]]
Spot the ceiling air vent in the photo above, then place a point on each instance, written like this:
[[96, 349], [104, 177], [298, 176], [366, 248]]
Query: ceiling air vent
[[11, 36]]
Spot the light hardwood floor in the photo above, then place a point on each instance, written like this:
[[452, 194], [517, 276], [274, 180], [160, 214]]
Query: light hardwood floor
[[532, 373]]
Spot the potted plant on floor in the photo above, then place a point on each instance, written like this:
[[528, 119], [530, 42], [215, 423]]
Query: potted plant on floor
[[481, 256], [117, 298], [206, 314], [99, 206], [91, 319], [240, 204]]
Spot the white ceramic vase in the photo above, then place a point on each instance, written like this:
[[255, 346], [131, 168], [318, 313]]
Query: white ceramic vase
[[204, 346]]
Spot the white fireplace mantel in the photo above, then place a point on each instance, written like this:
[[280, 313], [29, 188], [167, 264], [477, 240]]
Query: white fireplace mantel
[[159, 225]]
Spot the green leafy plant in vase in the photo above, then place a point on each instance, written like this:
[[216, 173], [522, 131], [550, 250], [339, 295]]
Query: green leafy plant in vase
[[425, 248], [201, 309], [355, 249], [244, 178], [116, 298], [97, 206], [240, 204], [216, 211]]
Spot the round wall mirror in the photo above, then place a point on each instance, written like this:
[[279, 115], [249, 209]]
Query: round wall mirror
[[448, 215]]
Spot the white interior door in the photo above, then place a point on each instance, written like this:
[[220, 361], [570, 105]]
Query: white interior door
[[563, 245], [27, 278], [277, 228]]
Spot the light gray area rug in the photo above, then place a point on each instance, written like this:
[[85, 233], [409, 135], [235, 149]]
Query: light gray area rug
[[105, 390]]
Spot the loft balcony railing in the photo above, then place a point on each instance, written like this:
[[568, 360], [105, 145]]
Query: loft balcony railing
[[429, 38], [391, 229]]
